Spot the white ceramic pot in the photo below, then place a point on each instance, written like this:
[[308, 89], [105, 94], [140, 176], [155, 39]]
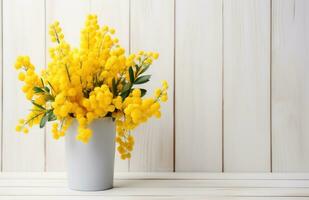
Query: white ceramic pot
[[90, 167]]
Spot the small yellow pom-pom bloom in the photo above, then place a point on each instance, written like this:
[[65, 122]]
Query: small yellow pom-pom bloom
[[25, 130], [82, 121], [18, 128], [105, 28], [112, 31], [61, 133], [128, 155], [164, 85], [136, 93], [60, 99], [120, 149], [158, 92], [18, 65], [72, 92], [148, 61], [158, 114], [90, 116], [21, 76], [56, 136], [155, 55], [164, 98]]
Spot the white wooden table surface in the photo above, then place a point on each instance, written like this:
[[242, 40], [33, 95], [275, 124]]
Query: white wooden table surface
[[213, 186]]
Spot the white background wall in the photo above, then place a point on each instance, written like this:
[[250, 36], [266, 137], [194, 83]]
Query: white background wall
[[238, 73]]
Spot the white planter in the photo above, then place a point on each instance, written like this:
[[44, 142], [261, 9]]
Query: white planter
[[90, 167]]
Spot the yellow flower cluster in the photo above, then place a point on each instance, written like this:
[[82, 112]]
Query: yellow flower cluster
[[137, 111], [60, 131], [28, 75], [93, 81]]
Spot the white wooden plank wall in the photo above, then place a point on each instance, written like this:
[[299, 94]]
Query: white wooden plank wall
[[290, 89], [240, 68], [198, 74], [1, 84], [23, 33], [246, 72]]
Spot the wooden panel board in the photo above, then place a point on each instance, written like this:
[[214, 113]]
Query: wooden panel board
[[290, 85], [198, 74], [162, 186], [115, 14], [71, 14], [246, 85], [267, 177], [23, 34], [152, 29], [1, 86], [147, 197]]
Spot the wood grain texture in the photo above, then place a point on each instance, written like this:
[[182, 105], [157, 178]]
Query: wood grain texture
[[23, 34], [152, 29], [146, 197], [290, 86], [115, 14], [163, 183], [134, 186], [1, 86], [216, 64], [71, 14], [198, 75], [246, 85], [267, 177]]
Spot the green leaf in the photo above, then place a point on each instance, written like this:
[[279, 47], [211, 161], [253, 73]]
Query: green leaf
[[126, 87], [49, 98], [38, 90], [51, 116], [145, 68], [43, 120], [142, 79], [125, 94], [50, 85], [126, 90], [37, 105], [137, 68], [143, 92], [131, 73], [46, 89], [42, 82]]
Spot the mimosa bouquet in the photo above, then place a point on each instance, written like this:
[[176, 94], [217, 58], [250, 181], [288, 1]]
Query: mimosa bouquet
[[93, 81]]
